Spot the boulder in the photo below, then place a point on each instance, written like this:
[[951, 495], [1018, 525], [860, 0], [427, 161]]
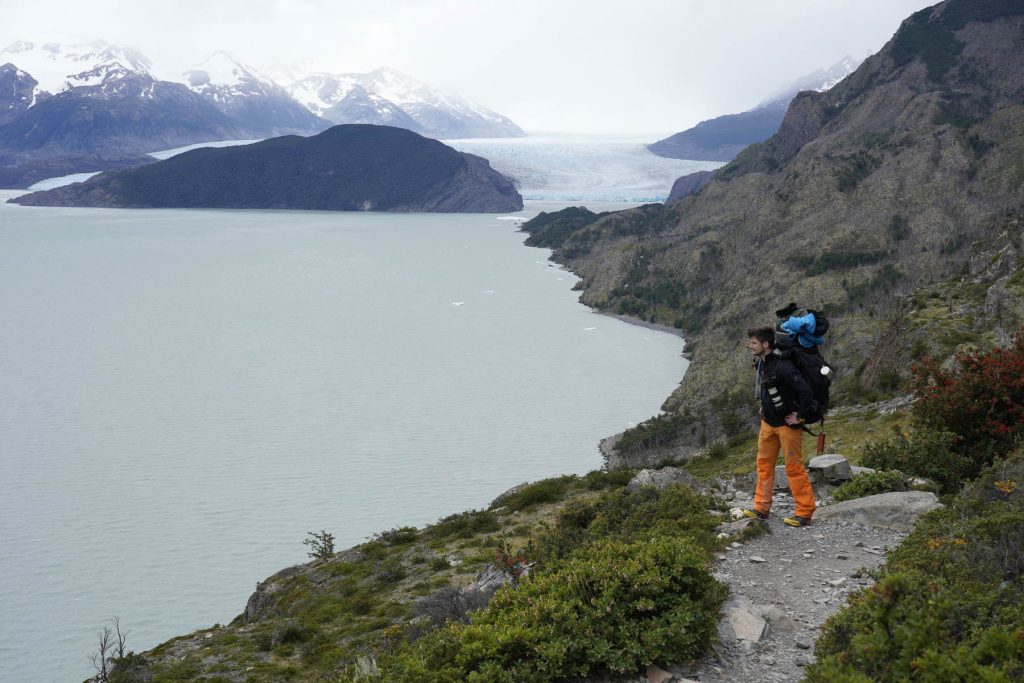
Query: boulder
[[734, 529], [897, 510], [739, 622], [777, 619], [829, 469], [659, 479], [858, 470]]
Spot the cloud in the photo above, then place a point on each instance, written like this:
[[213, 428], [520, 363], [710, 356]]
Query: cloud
[[636, 66]]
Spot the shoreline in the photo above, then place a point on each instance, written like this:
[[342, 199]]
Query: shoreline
[[657, 327]]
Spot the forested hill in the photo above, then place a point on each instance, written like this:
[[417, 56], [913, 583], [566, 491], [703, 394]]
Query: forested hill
[[905, 175], [345, 168]]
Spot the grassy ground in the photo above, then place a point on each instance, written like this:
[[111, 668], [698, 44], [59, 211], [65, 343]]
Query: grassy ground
[[845, 436]]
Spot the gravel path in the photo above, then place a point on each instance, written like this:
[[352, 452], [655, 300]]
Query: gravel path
[[794, 578]]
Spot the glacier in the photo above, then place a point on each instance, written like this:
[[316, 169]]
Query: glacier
[[577, 167]]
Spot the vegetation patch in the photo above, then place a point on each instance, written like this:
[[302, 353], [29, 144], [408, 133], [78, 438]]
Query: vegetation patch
[[611, 607], [950, 602], [870, 484], [837, 260]]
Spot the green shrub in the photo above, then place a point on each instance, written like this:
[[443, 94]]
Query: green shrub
[[612, 606], [675, 511], [659, 430], [950, 602], [440, 563], [600, 480], [399, 536], [870, 484], [538, 493], [465, 524], [922, 452]]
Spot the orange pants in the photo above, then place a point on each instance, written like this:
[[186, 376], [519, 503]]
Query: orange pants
[[770, 440]]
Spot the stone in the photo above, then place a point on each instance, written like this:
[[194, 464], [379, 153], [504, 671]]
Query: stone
[[829, 469], [776, 618], [742, 622], [897, 510], [842, 556], [837, 582], [736, 528], [801, 660], [802, 643], [659, 479], [756, 559], [858, 470], [656, 674]]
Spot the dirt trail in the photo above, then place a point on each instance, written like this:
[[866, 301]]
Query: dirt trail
[[794, 578]]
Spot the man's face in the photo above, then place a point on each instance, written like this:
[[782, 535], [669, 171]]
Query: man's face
[[757, 347]]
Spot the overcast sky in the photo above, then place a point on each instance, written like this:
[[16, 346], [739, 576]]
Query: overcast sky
[[601, 66]]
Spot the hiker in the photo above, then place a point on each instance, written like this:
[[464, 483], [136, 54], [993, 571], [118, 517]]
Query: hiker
[[786, 402]]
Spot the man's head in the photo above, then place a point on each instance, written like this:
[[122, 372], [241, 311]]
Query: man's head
[[761, 341]]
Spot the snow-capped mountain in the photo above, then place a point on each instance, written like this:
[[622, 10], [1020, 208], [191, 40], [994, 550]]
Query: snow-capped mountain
[[92, 107], [819, 80], [259, 105], [723, 137], [57, 67], [17, 92], [435, 113]]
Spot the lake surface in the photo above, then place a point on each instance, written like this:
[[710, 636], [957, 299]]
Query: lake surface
[[187, 393]]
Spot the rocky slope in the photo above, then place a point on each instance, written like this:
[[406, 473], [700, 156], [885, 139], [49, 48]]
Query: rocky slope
[[105, 126], [346, 168], [867, 193]]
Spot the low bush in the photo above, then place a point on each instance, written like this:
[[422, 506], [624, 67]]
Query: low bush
[[657, 431], [538, 493], [675, 511], [399, 536], [950, 602], [922, 452], [870, 484], [982, 401], [611, 607], [465, 524]]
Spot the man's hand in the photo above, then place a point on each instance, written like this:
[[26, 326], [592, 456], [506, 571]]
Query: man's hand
[[792, 420]]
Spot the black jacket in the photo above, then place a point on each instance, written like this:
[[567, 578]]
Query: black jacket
[[793, 391]]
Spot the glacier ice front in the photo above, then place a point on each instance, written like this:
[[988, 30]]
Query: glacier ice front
[[583, 167]]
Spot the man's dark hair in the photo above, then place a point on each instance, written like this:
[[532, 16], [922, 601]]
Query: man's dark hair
[[762, 334]]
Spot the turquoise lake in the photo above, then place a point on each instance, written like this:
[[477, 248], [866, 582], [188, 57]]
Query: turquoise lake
[[187, 393]]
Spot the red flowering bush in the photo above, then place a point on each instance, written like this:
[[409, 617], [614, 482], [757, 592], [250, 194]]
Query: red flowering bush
[[964, 419], [982, 402]]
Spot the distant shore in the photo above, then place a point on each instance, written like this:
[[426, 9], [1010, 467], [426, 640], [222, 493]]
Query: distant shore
[[643, 323]]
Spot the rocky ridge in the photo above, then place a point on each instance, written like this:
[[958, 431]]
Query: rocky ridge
[[346, 168], [871, 197]]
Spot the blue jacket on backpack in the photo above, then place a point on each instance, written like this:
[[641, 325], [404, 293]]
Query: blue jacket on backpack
[[803, 329]]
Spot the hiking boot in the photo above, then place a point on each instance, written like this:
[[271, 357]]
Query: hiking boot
[[797, 521], [755, 514]]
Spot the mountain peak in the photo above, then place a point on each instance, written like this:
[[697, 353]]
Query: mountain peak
[[59, 66]]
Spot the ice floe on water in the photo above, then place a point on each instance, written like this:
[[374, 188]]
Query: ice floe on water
[[562, 167]]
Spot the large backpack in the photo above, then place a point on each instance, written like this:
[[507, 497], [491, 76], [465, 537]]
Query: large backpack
[[812, 367]]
